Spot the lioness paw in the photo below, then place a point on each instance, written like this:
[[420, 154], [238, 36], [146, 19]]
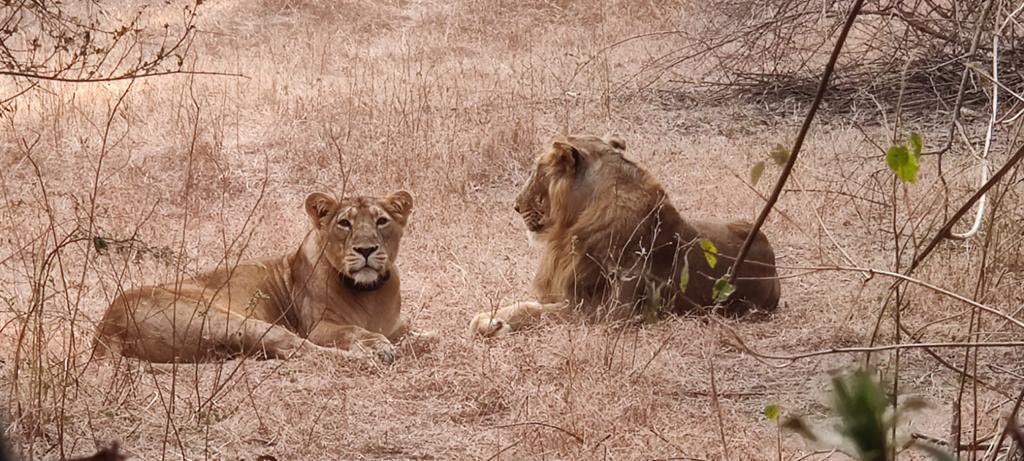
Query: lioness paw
[[379, 349], [488, 326], [386, 354]]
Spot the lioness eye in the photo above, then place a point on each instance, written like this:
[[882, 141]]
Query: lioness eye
[[345, 223], [382, 221]]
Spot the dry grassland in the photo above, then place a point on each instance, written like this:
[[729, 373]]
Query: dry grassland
[[451, 100]]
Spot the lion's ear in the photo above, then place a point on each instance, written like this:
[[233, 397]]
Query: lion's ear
[[318, 207], [399, 205], [614, 140], [565, 158]]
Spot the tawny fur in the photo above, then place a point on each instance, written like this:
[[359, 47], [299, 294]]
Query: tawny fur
[[326, 297], [613, 243]]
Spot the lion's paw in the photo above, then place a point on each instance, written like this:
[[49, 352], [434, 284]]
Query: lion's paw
[[381, 351], [376, 347], [386, 353], [488, 326]]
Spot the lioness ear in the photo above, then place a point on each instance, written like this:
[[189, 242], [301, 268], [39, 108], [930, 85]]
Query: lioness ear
[[614, 140], [399, 205], [565, 158], [318, 207]]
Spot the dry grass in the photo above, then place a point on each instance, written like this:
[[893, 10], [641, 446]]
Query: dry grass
[[449, 100]]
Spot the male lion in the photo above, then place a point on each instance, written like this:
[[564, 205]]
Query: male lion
[[614, 246], [339, 292]]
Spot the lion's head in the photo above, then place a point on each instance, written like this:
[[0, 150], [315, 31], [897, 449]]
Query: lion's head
[[588, 206], [360, 235], [568, 177]]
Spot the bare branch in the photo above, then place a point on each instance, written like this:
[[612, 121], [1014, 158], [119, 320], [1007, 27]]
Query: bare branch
[[791, 162]]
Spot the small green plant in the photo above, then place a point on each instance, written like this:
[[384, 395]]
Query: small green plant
[[684, 275], [722, 289], [772, 413], [653, 303], [756, 171], [710, 252], [779, 155], [864, 420], [904, 159]]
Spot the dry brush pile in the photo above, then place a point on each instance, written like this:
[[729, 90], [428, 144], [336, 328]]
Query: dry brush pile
[[922, 55]]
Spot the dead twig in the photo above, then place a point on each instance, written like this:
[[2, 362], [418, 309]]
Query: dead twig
[[538, 423], [116, 78], [717, 406], [804, 129], [793, 358]]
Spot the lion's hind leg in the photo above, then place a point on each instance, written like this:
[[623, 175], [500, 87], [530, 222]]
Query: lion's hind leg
[[159, 328], [513, 317]]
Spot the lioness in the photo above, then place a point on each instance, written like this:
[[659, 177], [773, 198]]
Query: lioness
[[339, 292], [614, 246]]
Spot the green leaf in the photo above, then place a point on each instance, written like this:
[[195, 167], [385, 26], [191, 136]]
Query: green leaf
[[916, 143], [772, 412], [755, 172], [710, 252], [780, 154], [722, 290], [902, 162], [684, 275]]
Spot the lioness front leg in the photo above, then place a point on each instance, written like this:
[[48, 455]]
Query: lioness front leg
[[512, 317], [353, 338], [280, 343]]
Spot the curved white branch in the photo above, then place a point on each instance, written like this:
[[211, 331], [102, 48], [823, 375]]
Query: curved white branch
[[980, 215]]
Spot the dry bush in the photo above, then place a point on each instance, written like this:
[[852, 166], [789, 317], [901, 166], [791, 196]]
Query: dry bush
[[91, 41], [910, 54]]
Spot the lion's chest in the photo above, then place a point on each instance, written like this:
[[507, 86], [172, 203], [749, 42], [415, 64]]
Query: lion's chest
[[371, 311], [377, 310]]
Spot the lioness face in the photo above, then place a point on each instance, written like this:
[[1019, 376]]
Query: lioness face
[[360, 235], [564, 176]]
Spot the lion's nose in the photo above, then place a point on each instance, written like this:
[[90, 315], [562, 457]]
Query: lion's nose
[[366, 251]]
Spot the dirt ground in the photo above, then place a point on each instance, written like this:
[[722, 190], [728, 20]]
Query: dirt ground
[[451, 100]]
